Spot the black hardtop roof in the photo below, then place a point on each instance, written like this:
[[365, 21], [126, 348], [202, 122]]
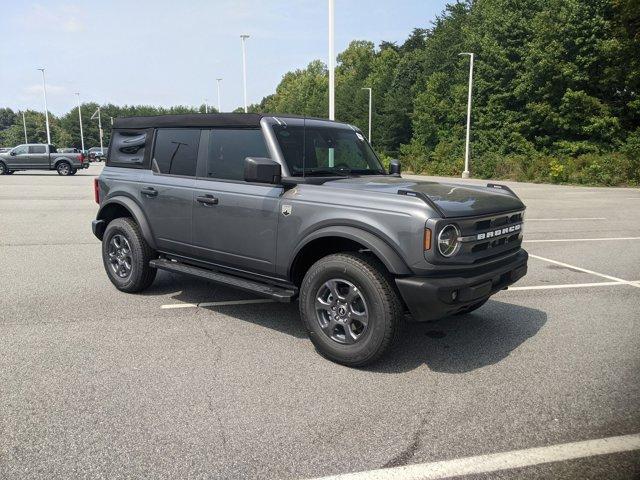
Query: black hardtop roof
[[237, 120]]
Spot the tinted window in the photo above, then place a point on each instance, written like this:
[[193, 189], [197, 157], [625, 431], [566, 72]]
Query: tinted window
[[20, 150], [38, 149], [176, 151], [128, 148], [227, 150]]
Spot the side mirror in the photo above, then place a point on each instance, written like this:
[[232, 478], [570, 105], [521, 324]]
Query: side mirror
[[395, 167], [262, 170], [12, 153]]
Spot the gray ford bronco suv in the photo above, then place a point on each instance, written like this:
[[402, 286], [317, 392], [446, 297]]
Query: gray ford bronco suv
[[299, 208]]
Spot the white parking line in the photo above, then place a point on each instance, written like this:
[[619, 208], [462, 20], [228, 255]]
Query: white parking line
[[217, 304], [581, 239], [563, 219], [573, 267], [500, 461]]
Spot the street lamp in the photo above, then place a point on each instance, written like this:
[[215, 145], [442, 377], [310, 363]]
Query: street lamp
[[331, 65], [206, 109], [93, 117], [46, 111], [244, 69], [218, 80], [465, 174], [80, 119], [24, 125], [369, 88]]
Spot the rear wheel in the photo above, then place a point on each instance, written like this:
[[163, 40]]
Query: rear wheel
[[350, 308], [64, 169], [126, 255]]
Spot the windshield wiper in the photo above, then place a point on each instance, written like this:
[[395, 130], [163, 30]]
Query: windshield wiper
[[326, 171]]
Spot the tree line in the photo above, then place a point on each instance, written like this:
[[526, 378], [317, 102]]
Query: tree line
[[555, 94]]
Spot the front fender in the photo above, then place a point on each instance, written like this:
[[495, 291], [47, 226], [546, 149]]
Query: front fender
[[387, 255], [106, 211]]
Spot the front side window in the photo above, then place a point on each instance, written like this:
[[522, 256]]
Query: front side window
[[20, 150], [227, 150], [326, 151], [176, 151], [37, 149], [128, 148]]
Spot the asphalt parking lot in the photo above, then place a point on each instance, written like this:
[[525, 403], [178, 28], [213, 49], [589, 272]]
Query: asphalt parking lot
[[185, 380]]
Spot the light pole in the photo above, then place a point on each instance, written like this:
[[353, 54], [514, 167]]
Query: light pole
[[80, 119], [99, 125], [465, 174], [46, 112], [24, 125], [244, 70], [369, 88], [206, 109], [218, 80], [332, 60]]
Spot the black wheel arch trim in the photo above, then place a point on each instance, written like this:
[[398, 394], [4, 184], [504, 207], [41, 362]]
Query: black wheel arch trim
[[387, 254], [136, 213]]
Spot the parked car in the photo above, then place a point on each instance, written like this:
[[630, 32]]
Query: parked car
[[292, 208], [39, 156], [97, 154], [4, 149]]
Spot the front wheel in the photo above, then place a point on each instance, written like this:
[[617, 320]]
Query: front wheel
[[73, 171], [64, 169], [3, 169], [126, 255], [350, 308]]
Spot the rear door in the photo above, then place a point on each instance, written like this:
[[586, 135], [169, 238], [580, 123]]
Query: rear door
[[234, 222], [38, 156], [167, 190]]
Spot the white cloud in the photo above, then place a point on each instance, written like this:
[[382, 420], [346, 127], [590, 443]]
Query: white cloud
[[36, 90], [65, 17]]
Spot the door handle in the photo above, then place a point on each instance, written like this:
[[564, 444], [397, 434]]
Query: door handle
[[207, 200], [149, 192]]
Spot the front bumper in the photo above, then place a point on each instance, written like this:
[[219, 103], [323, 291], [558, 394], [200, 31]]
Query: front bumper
[[431, 298]]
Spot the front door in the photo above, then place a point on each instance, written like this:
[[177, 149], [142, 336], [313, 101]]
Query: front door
[[167, 190], [18, 158], [234, 222]]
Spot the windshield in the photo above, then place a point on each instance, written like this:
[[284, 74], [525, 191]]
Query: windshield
[[314, 150]]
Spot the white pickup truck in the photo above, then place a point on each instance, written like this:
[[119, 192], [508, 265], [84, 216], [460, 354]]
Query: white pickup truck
[[40, 156]]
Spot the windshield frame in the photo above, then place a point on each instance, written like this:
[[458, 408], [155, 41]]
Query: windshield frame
[[278, 123]]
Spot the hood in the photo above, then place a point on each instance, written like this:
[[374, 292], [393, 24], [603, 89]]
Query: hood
[[452, 200]]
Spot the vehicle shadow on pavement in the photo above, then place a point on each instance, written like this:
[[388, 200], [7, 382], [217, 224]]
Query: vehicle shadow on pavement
[[460, 344], [281, 317]]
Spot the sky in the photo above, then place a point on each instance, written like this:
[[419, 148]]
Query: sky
[[170, 52]]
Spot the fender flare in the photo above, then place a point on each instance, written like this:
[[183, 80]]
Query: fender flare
[[136, 213], [387, 254]]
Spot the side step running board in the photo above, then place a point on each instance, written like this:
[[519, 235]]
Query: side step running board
[[279, 294]]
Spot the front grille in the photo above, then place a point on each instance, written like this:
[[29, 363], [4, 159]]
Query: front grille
[[483, 238]]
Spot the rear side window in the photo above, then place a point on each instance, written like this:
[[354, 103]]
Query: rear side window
[[175, 151], [128, 148], [227, 150], [37, 149]]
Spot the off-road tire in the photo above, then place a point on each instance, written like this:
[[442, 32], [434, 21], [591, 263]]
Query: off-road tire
[[472, 307], [64, 168], [377, 289], [141, 275]]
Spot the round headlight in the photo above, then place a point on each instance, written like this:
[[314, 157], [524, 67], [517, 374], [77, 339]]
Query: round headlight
[[448, 240]]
